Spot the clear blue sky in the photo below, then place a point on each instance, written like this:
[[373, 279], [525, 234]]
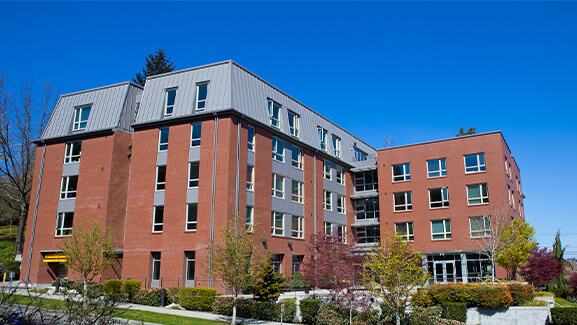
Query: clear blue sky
[[417, 70]]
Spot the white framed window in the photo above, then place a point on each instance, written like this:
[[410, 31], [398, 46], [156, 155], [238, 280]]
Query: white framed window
[[195, 134], [277, 149], [250, 140], [441, 229], [190, 265], [506, 166], [298, 226], [81, 115], [327, 170], [510, 172], [297, 192], [337, 146], [277, 186], [163, 139], [340, 175], [191, 216], [336, 232], [401, 172], [277, 262], [277, 222], [297, 262], [341, 204], [474, 163], [201, 94], [366, 208], [294, 124], [274, 113], [249, 218], [366, 181], [367, 235], [169, 100], [322, 138], [510, 195], [193, 174], [328, 200], [436, 168], [359, 155], [250, 177], [480, 226], [477, 194], [72, 153], [160, 178], [403, 201], [438, 197], [404, 231], [158, 218], [297, 157], [155, 265], [68, 187], [64, 223]]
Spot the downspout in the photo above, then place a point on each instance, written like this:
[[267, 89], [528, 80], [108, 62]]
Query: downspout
[[236, 203], [212, 203], [315, 207], [35, 215]]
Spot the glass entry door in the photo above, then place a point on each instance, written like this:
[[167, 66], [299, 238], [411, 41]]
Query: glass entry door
[[444, 271]]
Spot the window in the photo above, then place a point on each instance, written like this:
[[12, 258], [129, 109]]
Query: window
[[294, 123], [68, 187], [441, 229], [340, 175], [158, 218], [509, 194], [297, 195], [366, 181], [163, 139], [403, 201], [201, 92], [160, 178], [506, 166], [297, 157], [277, 262], [136, 109], [277, 223], [480, 226], [367, 208], [250, 138], [191, 216], [298, 226], [477, 194], [404, 231], [249, 218], [328, 200], [155, 265], [322, 138], [195, 134], [436, 168], [274, 113], [297, 261], [169, 102], [250, 178], [401, 173], [475, 163], [277, 186], [367, 235], [72, 153], [64, 223], [277, 149], [341, 204], [193, 172], [335, 231], [81, 118], [337, 146], [359, 154], [438, 197], [327, 170], [190, 265]]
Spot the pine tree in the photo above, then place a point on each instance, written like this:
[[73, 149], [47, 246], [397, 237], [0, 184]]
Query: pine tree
[[155, 64], [558, 252], [462, 132], [269, 283]]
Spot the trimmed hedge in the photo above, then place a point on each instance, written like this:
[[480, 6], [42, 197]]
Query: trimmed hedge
[[223, 306], [290, 310], [200, 299], [474, 295], [131, 287], [112, 288], [148, 297], [422, 298], [564, 316], [261, 310], [309, 310], [559, 292], [429, 316], [330, 314], [521, 294], [455, 310]]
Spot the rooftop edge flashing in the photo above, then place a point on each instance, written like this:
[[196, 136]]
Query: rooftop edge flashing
[[130, 83], [76, 135]]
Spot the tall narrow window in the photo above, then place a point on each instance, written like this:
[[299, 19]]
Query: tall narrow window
[[72, 153], [201, 92], [249, 218], [297, 157], [195, 134], [477, 194], [274, 113], [403, 201], [294, 123], [297, 227], [277, 149], [191, 216], [155, 266], [277, 223], [327, 170], [250, 178], [322, 138], [297, 193], [340, 175], [475, 163], [250, 138], [337, 146], [335, 232], [441, 229], [158, 218], [190, 265], [404, 231], [160, 178], [193, 174], [359, 154], [277, 262], [81, 115], [277, 186], [341, 204], [436, 168], [328, 200], [163, 139], [64, 223], [401, 173], [297, 262], [438, 197], [136, 109], [68, 187], [169, 102]]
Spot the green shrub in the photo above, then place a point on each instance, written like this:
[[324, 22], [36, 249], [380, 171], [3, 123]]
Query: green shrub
[[223, 306], [543, 294], [388, 316], [148, 297], [422, 298], [330, 314], [370, 317], [261, 310], [493, 297], [559, 292], [309, 310], [112, 288], [172, 295], [131, 287], [424, 316], [520, 293], [564, 316], [460, 292], [290, 310], [200, 299], [455, 310], [535, 303]]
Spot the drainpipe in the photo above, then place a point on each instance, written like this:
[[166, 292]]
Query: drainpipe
[[212, 203], [315, 207], [236, 203]]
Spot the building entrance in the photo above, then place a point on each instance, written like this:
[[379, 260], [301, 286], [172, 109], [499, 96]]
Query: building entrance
[[444, 271]]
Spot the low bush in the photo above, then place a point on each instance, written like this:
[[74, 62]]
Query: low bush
[[493, 297], [455, 310], [309, 310], [261, 310], [474, 295], [543, 294], [148, 297], [200, 299], [564, 316], [559, 292], [290, 310], [329, 314], [535, 303], [94, 288], [112, 288], [430, 316], [131, 287], [422, 298], [223, 306], [388, 316], [172, 295], [370, 317], [521, 293], [572, 285]]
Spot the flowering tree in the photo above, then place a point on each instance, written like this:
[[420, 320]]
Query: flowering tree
[[573, 283], [541, 267]]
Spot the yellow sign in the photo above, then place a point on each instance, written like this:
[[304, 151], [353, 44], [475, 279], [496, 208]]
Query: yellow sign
[[55, 258]]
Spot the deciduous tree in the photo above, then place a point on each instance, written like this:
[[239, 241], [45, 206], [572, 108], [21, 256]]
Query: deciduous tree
[[519, 235], [541, 267], [155, 64]]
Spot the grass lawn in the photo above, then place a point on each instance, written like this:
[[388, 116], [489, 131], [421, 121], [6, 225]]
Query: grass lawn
[[5, 231], [565, 303]]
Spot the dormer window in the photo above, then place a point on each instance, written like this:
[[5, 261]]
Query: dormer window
[[201, 92], [169, 102], [274, 113], [81, 118]]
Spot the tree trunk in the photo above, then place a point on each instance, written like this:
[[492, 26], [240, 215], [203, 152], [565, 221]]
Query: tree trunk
[[233, 321], [21, 227]]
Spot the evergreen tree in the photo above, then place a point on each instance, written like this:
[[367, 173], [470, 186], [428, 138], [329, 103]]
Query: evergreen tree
[[269, 283], [558, 252], [155, 64], [463, 133]]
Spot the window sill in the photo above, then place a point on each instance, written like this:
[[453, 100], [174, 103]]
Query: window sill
[[437, 208], [190, 230], [472, 205], [435, 177], [156, 232], [278, 236], [442, 239], [67, 198], [297, 202], [401, 211], [479, 172], [395, 182], [299, 168]]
